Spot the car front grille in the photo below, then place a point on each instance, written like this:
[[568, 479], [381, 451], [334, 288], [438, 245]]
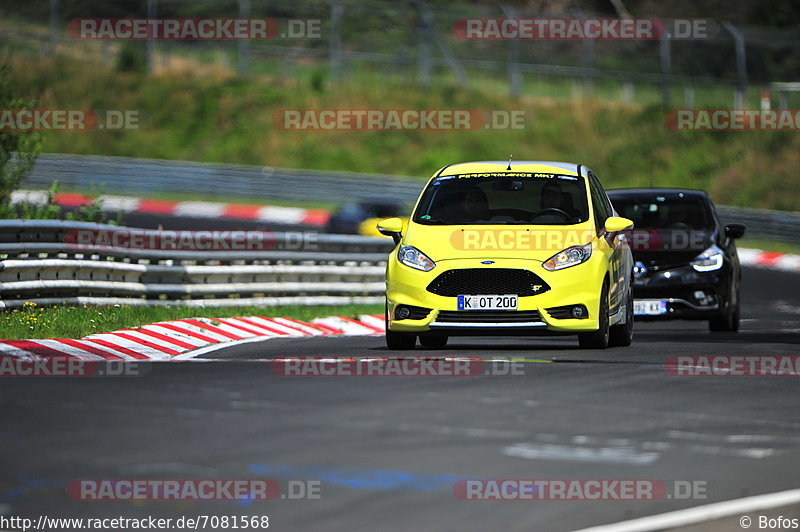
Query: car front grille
[[641, 292], [488, 316], [488, 281]]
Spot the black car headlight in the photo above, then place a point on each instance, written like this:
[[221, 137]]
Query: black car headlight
[[414, 258], [709, 260]]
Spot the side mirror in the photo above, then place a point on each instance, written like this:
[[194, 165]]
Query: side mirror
[[392, 227], [615, 224], [734, 230]]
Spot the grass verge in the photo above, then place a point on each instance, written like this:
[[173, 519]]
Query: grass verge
[[769, 245], [78, 321], [217, 119]]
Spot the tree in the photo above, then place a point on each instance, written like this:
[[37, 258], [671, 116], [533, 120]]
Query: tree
[[18, 149]]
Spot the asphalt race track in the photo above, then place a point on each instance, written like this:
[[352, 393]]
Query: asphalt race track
[[387, 450]]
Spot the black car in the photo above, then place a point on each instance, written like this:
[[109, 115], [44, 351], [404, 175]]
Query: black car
[[349, 217], [685, 261]]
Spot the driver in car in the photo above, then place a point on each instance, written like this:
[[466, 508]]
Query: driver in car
[[474, 205], [552, 197]]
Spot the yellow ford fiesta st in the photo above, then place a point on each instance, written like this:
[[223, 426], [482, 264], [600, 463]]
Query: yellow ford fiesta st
[[497, 248]]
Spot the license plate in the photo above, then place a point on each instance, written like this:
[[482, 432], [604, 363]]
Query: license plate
[[649, 307], [506, 302]]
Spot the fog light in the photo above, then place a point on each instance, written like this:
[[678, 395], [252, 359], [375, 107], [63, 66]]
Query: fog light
[[577, 312], [402, 313]]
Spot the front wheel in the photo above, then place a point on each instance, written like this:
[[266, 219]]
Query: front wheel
[[400, 341], [396, 340], [622, 335], [728, 322], [433, 342], [598, 339]]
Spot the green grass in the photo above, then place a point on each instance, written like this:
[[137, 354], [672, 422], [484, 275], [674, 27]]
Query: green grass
[[78, 321], [219, 119], [768, 245]]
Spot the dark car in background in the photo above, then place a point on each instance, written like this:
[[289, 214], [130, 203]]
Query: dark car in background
[[361, 217], [685, 260]]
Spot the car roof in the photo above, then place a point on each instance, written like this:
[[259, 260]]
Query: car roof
[[551, 167], [648, 192]]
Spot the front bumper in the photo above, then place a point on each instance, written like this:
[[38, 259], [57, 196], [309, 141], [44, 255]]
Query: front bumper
[[578, 285], [688, 294]]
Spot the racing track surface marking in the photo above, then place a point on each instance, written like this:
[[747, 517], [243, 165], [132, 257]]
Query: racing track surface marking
[[701, 514]]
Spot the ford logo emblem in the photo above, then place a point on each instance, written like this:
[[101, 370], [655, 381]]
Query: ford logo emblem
[[487, 262]]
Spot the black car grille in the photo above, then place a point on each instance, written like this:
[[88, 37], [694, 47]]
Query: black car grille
[[487, 281], [488, 316], [640, 292]]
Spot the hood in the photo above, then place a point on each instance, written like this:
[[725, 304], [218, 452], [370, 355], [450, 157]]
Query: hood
[[663, 248], [537, 242]]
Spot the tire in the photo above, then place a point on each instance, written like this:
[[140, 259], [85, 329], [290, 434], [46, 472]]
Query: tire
[[598, 339], [396, 340], [729, 321], [622, 335], [433, 342], [400, 341]]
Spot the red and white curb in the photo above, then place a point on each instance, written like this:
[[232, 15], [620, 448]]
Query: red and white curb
[[769, 259], [194, 209], [187, 338]]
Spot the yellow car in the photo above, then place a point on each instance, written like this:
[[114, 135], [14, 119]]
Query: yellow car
[[496, 248]]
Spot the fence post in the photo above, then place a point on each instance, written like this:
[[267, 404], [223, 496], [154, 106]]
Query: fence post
[[152, 12], [514, 78], [53, 27], [688, 96], [666, 69], [243, 45], [424, 59], [627, 92], [335, 53], [588, 59], [449, 56], [741, 65]]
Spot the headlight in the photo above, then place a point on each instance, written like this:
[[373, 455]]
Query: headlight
[[411, 256], [709, 260], [569, 257]]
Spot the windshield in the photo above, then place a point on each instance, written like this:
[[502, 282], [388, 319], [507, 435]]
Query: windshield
[[503, 198], [663, 212]]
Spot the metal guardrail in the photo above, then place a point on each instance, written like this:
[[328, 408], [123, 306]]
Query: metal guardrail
[[783, 226], [143, 176], [40, 263], [121, 174]]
